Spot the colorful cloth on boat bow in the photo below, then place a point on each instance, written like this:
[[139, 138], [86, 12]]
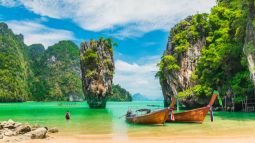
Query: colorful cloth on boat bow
[[171, 113]]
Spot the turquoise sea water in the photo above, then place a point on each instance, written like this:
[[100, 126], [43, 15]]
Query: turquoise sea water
[[85, 121]]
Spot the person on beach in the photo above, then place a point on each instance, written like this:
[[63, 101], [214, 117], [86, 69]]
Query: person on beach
[[68, 115]]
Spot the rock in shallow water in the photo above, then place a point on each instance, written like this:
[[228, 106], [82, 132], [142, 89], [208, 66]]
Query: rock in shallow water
[[97, 66], [10, 124], [22, 132], [23, 129], [39, 133], [9, 133], [53, 130]]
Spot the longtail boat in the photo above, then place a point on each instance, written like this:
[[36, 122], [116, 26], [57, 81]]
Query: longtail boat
[[154, 117], [196, 115]]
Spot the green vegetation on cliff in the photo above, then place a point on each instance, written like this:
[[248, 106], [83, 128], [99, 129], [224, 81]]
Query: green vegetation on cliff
[[222, 63], [33, 73], [14, 68], [57, 74], [119, 94], [91, 58], [188, 31], [97, 68]]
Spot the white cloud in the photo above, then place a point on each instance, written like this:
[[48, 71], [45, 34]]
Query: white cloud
[[138, 78], [37, 33], [135, 17], [9, 3]]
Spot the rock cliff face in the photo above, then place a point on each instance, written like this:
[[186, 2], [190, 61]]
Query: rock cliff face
[[180, 78], [211, 51], [97, 67], [249, 46]]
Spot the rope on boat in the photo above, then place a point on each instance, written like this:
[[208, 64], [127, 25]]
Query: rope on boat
[[211, 114]]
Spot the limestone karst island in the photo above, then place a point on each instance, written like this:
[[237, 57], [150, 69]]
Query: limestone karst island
[[170, 71]]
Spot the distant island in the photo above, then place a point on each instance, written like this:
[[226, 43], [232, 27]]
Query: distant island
[[140, 97]]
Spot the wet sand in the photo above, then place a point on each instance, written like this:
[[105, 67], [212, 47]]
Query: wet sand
[[239, 135], [107, 139]]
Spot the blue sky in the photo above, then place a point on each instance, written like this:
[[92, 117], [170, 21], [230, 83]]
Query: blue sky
[[141, 29]]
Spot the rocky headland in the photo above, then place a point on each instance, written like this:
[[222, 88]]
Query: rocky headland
[[211, 51]]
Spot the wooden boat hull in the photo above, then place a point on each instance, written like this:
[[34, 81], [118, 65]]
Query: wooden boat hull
[[155, 117], [196, 115]]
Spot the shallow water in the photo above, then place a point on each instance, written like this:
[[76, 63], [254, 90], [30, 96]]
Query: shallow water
[[85, 121]]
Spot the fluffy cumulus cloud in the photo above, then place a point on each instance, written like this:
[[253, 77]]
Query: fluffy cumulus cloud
[[132, 17], [34, 32], [138, 78]]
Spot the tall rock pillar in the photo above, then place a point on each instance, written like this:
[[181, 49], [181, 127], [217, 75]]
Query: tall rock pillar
[[97, 67]]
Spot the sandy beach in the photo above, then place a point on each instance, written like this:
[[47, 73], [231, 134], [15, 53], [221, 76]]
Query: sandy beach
[[108, 139], [240, 135]]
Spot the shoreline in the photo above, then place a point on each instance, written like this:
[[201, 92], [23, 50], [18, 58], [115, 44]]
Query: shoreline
[[88, 125]]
